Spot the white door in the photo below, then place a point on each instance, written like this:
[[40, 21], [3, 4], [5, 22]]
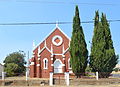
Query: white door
[[57, 66]]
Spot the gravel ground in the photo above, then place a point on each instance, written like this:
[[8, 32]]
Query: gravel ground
[[69, 86]]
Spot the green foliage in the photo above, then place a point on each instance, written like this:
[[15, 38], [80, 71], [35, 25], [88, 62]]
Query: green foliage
[[102, 58], [11, 68], [88, 69], [116, 69], [17, 59], [78, 47]]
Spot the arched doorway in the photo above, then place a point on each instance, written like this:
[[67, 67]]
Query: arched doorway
[[58, 66]]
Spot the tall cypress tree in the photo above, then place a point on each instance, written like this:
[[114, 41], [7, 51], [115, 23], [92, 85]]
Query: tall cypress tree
[[102, 58], [78, 47]]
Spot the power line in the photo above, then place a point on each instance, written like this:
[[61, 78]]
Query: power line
[[50, 23], [74, 3]]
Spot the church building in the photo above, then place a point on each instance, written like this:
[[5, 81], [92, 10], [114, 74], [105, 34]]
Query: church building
[[51, 55]]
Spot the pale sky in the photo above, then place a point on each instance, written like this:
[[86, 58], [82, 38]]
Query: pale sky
[[20, 37]]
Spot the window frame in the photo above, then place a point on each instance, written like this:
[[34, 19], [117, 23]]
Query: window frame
[[45, 63]]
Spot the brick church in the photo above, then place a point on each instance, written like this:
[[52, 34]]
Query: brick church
[[51, 55]]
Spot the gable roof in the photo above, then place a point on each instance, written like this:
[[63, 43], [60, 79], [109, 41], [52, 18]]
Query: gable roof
[[49, 35]]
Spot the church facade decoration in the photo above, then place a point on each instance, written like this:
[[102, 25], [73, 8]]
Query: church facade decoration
[[51, 55]]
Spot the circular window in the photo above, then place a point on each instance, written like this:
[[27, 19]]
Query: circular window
[[57, 40]]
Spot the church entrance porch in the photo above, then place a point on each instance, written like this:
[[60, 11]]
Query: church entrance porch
[[58, 66]]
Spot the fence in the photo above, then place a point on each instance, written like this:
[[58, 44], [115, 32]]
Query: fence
[[61, 79]]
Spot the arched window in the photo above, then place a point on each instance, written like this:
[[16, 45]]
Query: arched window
[[69, 65], [45, 62], [58, 66]]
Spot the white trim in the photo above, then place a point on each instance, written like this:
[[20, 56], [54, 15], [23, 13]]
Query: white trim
[[55, 37], [38, 58], [63, 64], [56, 24], [66, 50], [49, 35], [51, 64], [57, 54], [70, 71], [59, 61], [44, 49], [51, 58], [38, 64], [63, 58], [45, 45], [32, 63], [38, 51], [51, 49], [60, 66], [45, 59], [64, 33]]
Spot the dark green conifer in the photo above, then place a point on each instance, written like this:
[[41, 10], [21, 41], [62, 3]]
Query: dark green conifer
[[102, 58], [78, 47]]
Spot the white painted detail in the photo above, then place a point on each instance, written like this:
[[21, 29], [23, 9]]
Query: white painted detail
[[51, 79], [55, 37], [63, 58], [51, 58], [70, 71], [44, 49], [38, 51], [66, 50], [38, 64], [38, 58], [51, 64], [50, 34], [96, 75], [56, 24], [63, 55], [69, 43], [48, 49], [58, 66], [63, 64], [51, 49], [32, 63], [67, 79], [57, 54], [45, 62]]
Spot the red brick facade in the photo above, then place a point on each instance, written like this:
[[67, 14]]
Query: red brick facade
[[51, 55]]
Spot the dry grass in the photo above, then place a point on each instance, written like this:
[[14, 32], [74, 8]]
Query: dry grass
[[69, 86], [114, 82], [24, 78]]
